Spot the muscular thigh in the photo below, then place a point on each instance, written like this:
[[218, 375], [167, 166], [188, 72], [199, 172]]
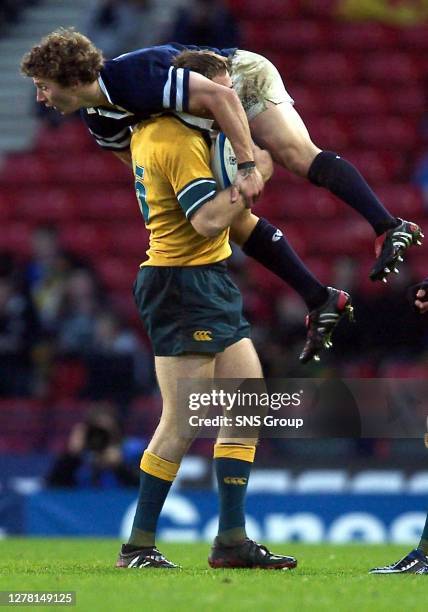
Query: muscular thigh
[[281, 131], [239, 361]]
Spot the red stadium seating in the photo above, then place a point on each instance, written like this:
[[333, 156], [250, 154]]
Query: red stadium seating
[[404, 200], [130, 239], [27, 167], [390, 69], [118, 274], [117, 204], [378, 167], [89, 240], [272, 9], [295, 35], [328, 68], [53, 205], [385, 132], [415, 38], [355, 100], [16, 238], [368, 36], [68, 138]]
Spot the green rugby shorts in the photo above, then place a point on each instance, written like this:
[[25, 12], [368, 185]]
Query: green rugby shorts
[[190, 309]]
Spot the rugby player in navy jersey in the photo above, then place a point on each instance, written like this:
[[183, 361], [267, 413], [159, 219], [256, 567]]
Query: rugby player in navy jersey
[[142, 83], [71, 74]]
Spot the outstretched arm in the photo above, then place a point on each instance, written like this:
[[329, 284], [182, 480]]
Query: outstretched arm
[[222, 103]]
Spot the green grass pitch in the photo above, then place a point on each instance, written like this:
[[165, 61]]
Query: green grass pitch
[[328, 577]]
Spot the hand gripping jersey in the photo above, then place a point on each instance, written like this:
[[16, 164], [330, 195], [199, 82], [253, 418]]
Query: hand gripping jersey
[[140, 84]]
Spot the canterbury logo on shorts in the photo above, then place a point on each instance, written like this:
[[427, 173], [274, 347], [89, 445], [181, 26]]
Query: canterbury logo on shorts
[[235, 480], [202, 336]]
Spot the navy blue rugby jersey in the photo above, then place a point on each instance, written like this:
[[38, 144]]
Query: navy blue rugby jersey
[[140, 84]]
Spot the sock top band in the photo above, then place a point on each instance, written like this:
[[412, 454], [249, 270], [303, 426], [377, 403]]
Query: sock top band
[[158, 467]]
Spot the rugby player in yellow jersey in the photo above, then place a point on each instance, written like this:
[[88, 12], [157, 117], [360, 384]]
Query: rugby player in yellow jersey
[[192, 312]]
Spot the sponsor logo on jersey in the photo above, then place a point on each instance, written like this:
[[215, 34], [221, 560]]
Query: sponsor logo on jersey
[[277, 235]]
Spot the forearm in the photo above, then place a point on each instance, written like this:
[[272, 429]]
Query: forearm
[[209, 99], [230, 115], [217, 214]]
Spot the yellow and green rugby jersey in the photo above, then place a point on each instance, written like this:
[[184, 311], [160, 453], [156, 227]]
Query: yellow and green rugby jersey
[[173, 179]]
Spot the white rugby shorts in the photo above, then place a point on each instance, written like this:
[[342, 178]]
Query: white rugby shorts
[[256, 80]]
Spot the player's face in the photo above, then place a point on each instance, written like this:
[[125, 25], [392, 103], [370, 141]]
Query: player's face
[[52, 95], [223, 79]]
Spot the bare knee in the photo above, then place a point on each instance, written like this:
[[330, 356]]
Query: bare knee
[[298, 159]]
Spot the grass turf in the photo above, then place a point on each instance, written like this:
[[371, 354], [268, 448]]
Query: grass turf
[[327, 577]]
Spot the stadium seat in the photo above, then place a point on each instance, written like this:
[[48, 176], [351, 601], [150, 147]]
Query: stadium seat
[[306, 98], [27, 166], [390, 69], [98, 168], [410, 100], [89, 240], [377, 166], [355, 100], [244, 9], [295, 35], [328, 68], [415, 38], [385, 132], [319, 9], [16, 238], [402, 200], [118, 274], [69, 137], [330, 133], [117, 204], [44, 205], [363, 36], [130, 239]]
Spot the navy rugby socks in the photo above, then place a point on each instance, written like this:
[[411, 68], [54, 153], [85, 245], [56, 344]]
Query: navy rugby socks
[[340, 177], [267, 245], [233, 463], [156, 478]]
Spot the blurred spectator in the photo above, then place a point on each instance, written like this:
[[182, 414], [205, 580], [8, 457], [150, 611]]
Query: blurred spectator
[[18, 332], [80, 305], [97, 454], [205, 22], [46, 274], [114, 25], [118, 364]]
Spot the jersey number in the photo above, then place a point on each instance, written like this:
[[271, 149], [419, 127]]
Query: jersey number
[[140, 190]]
